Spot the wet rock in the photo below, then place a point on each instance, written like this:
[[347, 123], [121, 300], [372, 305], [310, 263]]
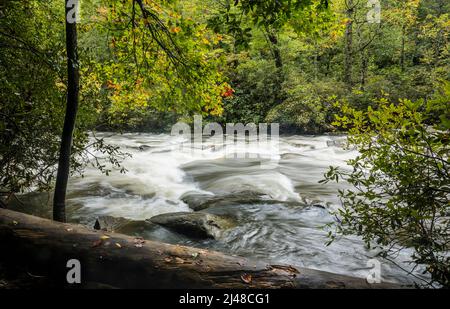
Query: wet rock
[[319, 206], [340, 143], [197, 201], [144, 147], [194, 224]]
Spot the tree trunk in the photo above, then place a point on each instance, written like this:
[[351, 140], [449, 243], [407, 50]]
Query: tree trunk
[[348, 49], [364, 66], [273, 38], [402, 52], [44, 247], [73, 79]]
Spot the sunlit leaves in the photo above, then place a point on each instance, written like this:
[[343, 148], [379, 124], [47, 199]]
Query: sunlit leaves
[[142, 77]]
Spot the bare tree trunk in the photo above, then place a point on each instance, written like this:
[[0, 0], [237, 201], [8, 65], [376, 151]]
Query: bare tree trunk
[[364, 66], [348, 50], [273, 38], [402, 55], [73, 80]]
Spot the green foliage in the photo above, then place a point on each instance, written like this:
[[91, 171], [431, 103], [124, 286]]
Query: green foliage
[[401, 181], [31, 104], [128, 75], [138, 77], [308, 107], [255, 92], [403, 57], [275, 12]]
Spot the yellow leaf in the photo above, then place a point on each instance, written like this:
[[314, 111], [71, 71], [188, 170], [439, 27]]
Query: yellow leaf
[[175, 29]]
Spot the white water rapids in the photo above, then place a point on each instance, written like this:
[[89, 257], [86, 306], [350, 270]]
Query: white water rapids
[[280, 209]]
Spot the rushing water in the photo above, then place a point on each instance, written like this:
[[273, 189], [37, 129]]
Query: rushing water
[[279, 208]]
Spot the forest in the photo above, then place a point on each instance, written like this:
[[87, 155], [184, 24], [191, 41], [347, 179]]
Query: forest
[[360, 89]]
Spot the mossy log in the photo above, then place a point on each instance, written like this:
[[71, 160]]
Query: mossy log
[[108, 259]]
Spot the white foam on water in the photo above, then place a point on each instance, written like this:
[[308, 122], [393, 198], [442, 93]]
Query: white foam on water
[[272, 184], [156, 182]]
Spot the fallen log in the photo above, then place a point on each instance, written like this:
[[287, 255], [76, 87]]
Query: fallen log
[[116, 260]]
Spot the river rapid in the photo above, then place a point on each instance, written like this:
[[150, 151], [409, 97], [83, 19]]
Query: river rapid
[[272, 195]]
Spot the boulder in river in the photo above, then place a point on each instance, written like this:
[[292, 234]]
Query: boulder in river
[[194, 224], [198, 201]]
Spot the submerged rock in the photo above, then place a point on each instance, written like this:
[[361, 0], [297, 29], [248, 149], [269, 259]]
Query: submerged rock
[[194, 224], [198, 201]]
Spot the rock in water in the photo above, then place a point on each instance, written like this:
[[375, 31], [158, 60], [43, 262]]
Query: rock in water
[[193, 224], [198, 201]]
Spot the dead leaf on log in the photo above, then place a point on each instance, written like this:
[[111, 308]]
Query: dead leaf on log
[[118, 245], [286, 268], [247, 278], [168, 260], [199, 262], [97, 243], [179, 260], [104, 237], [139, 242]]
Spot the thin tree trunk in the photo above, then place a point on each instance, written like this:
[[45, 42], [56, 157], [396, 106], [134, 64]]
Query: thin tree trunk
[[272, 37], [275, 48], [348, 50], [364, 66], [59, 200], [402, 55]]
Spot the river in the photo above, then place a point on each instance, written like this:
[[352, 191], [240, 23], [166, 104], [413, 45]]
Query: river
[[274, 197]]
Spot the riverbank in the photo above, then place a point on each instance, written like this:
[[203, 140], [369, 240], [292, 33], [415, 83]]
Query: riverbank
[[44, 247]]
